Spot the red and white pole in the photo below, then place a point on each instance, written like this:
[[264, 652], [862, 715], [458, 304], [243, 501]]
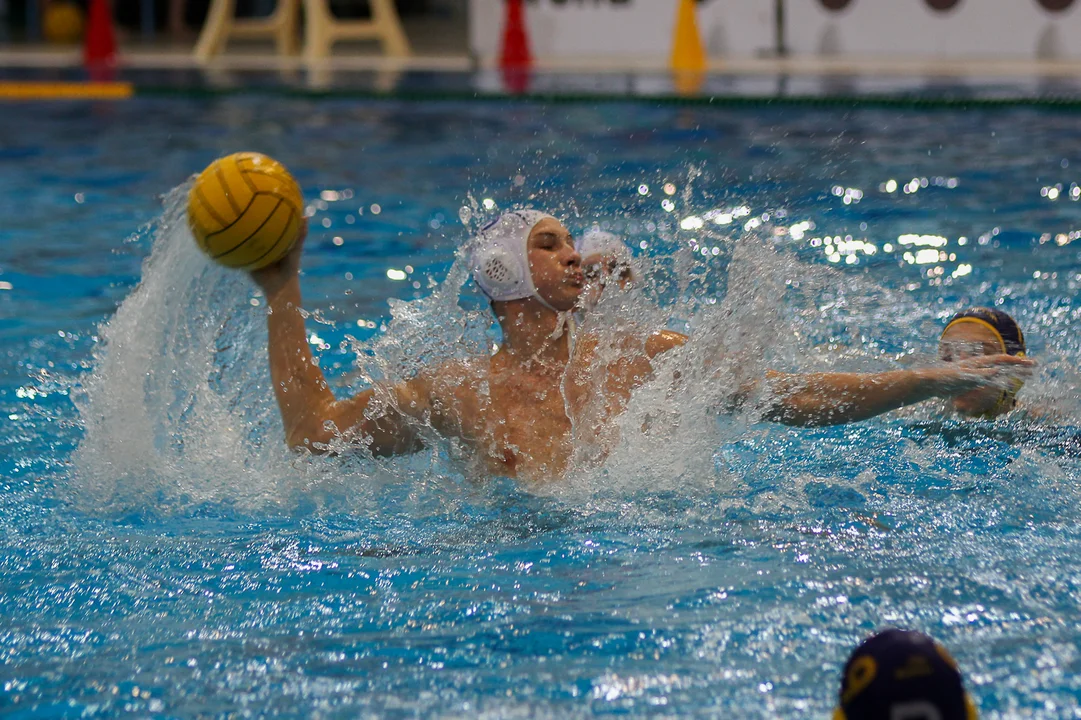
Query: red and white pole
[[515, 58], [99, 50]]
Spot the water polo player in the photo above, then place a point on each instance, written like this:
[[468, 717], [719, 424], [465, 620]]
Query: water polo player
[[902, 674], [513, 412], [605, 258], [982, 332]]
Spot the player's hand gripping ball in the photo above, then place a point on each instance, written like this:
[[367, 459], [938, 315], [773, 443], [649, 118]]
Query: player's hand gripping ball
[[245, 211]]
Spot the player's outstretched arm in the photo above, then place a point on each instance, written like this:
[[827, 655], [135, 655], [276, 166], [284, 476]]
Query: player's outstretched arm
[[311, 415], [834, 398], [814, 399]]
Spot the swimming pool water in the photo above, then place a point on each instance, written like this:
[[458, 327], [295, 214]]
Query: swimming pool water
[[160, 552]]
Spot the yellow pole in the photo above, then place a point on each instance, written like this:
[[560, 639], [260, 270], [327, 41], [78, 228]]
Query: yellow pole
[[688, 55]]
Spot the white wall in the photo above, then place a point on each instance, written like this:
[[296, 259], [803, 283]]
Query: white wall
[[636, 32], [909, 28]]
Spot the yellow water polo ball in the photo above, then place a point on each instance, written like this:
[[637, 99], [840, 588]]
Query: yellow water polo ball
[[245, 210], [62, 23]]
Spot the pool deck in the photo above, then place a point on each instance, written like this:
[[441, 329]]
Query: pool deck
[[171, 55], [445, 67]]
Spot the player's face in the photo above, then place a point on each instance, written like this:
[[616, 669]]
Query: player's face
[[964, 340], [555, 264]]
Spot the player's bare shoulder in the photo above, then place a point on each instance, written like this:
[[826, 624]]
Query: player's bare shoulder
[[626, 344], [662, 341]]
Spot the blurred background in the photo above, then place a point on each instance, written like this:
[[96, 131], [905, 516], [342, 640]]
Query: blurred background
[[985, 36]]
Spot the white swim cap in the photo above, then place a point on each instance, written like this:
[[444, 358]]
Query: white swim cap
[[500, 261], [600, 242]]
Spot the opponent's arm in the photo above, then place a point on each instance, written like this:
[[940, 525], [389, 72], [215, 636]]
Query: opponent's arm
[[833, 398], [310, 413], [813, 399]]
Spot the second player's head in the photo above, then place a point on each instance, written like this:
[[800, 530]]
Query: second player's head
[[902, 674], [982, 331]]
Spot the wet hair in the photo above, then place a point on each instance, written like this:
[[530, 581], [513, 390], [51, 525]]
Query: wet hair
[[1002, 324]]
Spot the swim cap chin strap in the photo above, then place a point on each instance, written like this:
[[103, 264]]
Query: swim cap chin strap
[[1009, 395], [500, 259]]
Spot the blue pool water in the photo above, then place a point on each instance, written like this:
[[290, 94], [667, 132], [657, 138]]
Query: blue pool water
[[161, 553]]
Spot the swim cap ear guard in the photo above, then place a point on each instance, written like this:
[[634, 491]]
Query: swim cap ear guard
[[499, 273], [1009, 336], [500, 261]]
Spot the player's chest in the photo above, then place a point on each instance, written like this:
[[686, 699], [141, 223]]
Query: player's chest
[[527, 408]]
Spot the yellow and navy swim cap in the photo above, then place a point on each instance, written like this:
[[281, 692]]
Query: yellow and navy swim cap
[[902, 673], [1001, 324]]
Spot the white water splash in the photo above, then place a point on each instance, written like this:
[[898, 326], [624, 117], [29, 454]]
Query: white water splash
[[178, 408]]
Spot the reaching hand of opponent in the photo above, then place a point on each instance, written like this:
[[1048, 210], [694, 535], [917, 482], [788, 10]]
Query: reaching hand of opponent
[[274, 277], [982, 371]]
